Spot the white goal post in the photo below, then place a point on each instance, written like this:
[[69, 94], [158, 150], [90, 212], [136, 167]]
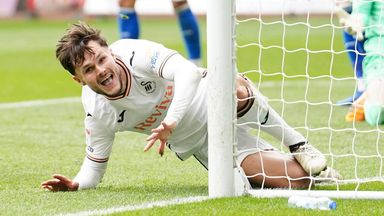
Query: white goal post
[[342, 144], [221, 101]]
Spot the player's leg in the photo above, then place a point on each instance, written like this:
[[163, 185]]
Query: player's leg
[[356, 55], [274, 169], [190, 30], [128, 20], [262, 164], [374, 103], [370, 106], [359, 67], [254, 111], [265, 166]]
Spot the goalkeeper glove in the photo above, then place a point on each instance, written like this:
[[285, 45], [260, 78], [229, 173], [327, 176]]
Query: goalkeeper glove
[[353, 24]]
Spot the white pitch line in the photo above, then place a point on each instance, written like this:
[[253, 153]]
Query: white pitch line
[[142, 206], [34, 103]]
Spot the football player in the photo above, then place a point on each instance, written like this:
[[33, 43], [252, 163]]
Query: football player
[[142, 86], [368, 16]]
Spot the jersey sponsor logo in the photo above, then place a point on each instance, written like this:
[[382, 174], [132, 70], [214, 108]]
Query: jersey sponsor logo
[[121, 117], [154, 58], [149, 86], [160, 109]]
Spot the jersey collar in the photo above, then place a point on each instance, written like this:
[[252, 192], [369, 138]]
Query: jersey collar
[[127, 73]]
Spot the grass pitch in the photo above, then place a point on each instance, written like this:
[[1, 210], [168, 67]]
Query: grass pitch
[[39, 140]]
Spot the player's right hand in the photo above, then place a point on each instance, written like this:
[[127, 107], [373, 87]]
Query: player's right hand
[[60, 183], [162, 133]]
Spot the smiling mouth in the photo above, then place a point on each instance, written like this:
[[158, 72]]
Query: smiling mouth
[[107, 81]]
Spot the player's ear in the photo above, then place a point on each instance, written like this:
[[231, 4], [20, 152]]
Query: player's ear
[[78, 80]]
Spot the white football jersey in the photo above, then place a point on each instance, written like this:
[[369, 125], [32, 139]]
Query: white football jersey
[[144, 104]]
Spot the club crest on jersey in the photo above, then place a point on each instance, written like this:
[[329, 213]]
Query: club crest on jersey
[[149, 86]]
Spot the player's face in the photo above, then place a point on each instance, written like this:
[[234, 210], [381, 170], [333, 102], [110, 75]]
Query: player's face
[[100, 72]]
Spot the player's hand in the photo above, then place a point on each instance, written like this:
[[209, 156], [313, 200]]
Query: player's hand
[[353, 24], [60, 183], [162, 133]]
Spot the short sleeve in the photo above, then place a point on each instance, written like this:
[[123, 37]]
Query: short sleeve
[[99, 140], [143, 56]]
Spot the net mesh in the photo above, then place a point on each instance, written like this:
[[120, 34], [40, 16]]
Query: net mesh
[[296, 57]]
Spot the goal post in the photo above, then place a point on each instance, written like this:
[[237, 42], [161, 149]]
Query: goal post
[[297, 59], [221, 100]]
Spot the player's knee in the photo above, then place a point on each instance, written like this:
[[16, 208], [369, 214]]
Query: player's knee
[[243, 95], [243, 87], [374, 114], [242, 92]]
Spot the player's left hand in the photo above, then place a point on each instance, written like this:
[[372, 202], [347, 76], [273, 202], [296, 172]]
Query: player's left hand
[[354, 25], [162, 133]]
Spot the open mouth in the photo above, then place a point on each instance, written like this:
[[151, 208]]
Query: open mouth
[[107, 80]]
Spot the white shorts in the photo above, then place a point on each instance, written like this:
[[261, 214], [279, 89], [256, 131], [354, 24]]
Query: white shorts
[[246, 144]]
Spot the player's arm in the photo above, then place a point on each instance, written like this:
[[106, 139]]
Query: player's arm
[[99, 138], [99, 141], [89, 176], [154, 59], [186, 77]]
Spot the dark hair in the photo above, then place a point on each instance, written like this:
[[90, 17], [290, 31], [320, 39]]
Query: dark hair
[[72, 46]]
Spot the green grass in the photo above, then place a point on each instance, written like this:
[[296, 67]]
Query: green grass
[[28, 61], [39, 141]]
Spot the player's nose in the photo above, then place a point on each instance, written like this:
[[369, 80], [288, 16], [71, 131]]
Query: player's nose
[[101, 71]]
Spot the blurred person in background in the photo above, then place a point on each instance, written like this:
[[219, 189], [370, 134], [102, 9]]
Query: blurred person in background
[[129, 26], [356, 53], [31, 9], [368, 17], [49, 8]]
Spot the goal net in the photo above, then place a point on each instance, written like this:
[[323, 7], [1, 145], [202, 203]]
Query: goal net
[[294, 53]]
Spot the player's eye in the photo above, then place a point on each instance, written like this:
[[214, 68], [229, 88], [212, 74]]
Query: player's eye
[[102, 59], [88, 70]]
